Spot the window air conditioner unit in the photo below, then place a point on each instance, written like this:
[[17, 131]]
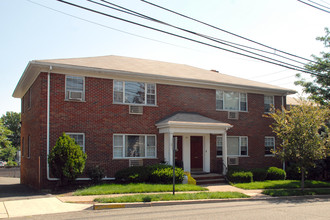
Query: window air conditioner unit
[[232, 160], [233, 115], [75, 95], [136, 109], [136, 163]]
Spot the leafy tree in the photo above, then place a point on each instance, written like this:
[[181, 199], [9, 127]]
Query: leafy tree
[[299, 130], [66, 159], [8, 153], [4, 133], [319, 88], [12, 120]]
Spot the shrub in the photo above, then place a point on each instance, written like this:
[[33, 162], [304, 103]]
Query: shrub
[[95, 173], [66, 159], [164, 174], [132, 175], [159, 173], [274, 173], [259, 174], [240, 177]]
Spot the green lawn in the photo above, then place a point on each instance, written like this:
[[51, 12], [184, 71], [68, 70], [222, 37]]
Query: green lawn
[[295, 192], [105, 189], [170, 197], [282, 184]]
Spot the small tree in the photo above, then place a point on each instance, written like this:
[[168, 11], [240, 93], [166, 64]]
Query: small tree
[[12, 120], [299, 130], [66, 160]]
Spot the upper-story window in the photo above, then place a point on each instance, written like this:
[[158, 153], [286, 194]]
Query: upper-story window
[[231, 101], [134, 93], [74, 88], [268, 102]]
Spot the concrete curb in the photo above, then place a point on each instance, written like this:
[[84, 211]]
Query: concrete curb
[[100, 206]]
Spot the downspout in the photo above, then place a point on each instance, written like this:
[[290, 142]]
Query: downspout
[[48, 113]]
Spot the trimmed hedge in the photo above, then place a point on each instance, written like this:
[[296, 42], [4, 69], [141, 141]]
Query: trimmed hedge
[[259, 174], [274, 173], [158, 173], [240, 177]]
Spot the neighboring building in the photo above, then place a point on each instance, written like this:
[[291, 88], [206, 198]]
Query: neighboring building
[[126, 111]]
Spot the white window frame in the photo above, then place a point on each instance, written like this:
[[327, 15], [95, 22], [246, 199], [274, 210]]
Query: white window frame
[[124, 146], [83, 134], [270, 137], [239, 101], [239, 147], [67, 90], [270, 104], [145, 93]]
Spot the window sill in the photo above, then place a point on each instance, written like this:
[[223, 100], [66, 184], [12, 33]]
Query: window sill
[[219, 110], [74, 100], [234, 156], [117, 103], [134, 158], [269, 155]]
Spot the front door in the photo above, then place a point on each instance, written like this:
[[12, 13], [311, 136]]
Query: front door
[[196, 155], [178, 153]]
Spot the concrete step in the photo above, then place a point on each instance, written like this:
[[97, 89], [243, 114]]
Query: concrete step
[[208, 178]]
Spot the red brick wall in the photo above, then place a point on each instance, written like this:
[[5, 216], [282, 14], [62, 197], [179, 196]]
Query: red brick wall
[[98, 118]]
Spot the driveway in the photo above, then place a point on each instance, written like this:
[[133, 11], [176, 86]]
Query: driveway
[[11, 189]]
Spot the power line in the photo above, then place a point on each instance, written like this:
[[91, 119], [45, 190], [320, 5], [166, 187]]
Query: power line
[[134, 13], [186, 38], [313, 6], [105, 26], [220, 29], [318, 4]]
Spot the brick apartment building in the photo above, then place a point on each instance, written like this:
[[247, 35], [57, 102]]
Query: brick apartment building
[[126, 111]]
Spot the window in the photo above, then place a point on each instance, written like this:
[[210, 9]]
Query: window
[[269, 145], [22, 103], [29, 147], [74, 88], [268, 102], [23, 147], [231, 101], [134, 93], [219, 145], [79, 138], [131, 146], [236, 146]]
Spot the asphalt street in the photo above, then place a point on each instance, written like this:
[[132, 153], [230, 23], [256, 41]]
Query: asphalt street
[[283, 209]]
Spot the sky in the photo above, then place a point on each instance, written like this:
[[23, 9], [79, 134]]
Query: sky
[[39, 29]]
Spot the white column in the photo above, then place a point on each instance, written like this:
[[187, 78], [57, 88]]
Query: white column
[[171, 148], [206, 154], [186, 152], [167, 147], [224, 153]]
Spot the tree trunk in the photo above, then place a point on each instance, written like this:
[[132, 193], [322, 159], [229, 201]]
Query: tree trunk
[[302, 178]]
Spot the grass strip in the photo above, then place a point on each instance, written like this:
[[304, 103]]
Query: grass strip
[[170, 197], [106, 189], [295, 192], [282, 184]]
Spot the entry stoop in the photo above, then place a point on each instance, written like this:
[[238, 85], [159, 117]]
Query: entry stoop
[[208, 178]]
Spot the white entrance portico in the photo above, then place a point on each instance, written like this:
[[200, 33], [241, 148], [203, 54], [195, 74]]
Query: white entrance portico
[[192, 127]]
